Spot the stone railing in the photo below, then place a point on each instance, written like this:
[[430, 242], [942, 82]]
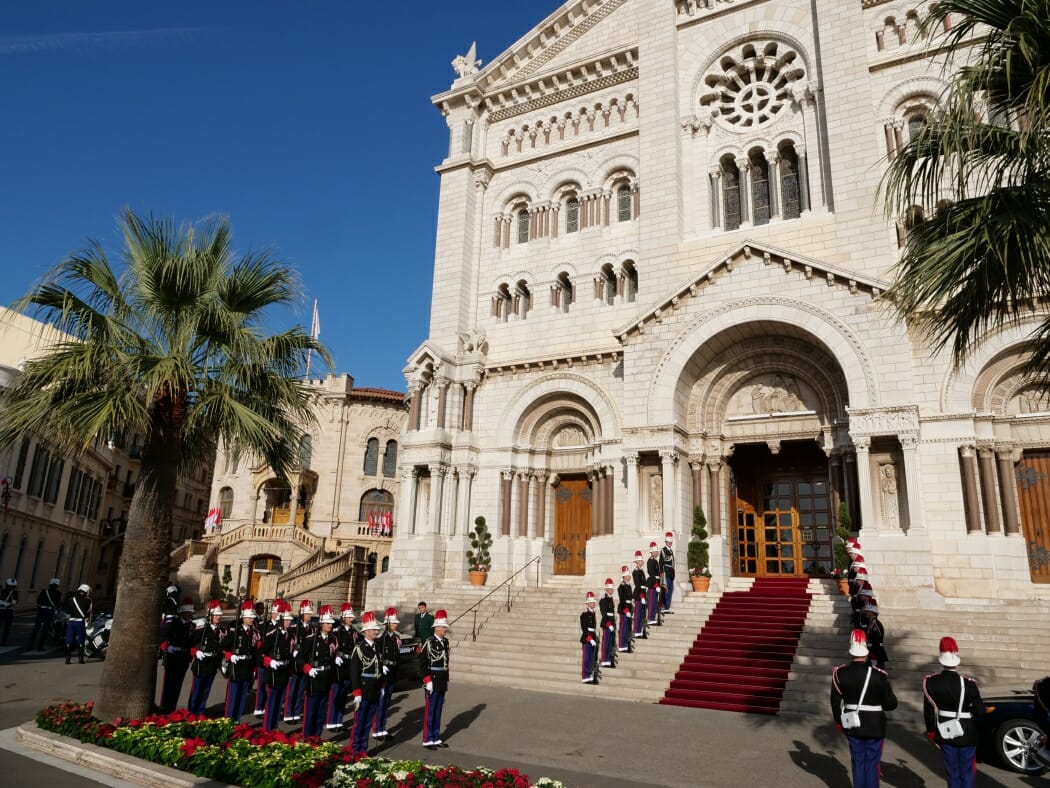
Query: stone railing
[[307, 565], [318, 576], [188, 549], [259, 532]]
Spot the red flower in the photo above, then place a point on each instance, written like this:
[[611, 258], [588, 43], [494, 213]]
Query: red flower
[[190, 746]]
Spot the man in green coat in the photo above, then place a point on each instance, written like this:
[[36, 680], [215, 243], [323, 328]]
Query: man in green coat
[[423, 623]]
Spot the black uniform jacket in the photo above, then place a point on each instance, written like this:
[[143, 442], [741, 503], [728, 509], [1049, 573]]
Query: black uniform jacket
[[941, 690], [588, 626], [347, 637], [435, 658], [846, 684], [640, 585], [50, 597], [389, 649], [667, 562], [623, 591], [366, 670], [606, 607], [317, 650], [242, 642], [177, 647], [652, 566], [209, 640], [279, 644], [9, 597]]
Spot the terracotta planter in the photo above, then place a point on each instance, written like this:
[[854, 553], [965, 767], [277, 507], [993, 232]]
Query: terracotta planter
[[844, 586], [700, 583], [478, 578]]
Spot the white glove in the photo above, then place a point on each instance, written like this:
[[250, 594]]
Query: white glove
[[357, 702], [275, 663], [386, 669], [200, 655], [339, 660], [313, 673], [235, 658], [429, 686]]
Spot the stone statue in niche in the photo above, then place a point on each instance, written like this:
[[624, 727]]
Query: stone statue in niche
[[888, 488], [781, 395], [656, 502]]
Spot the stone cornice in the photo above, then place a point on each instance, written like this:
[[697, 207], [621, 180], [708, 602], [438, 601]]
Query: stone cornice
[[543, 363], [810, 268]]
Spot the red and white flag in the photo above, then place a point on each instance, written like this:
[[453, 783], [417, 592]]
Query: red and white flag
[[214, 519]]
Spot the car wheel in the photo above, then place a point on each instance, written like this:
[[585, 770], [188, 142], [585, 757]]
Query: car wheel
[[1015, 742]]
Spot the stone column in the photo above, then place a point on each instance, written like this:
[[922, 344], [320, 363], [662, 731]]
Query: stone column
[[632, 490], [468, 405], [803, 180], [969, 485], [912, 478], [695, 468], [867, 508], [714, 496], [443, 384], [849, 491], [668, 458], [461, 523], [523, 503], [437, 488], [504, 519], [743, 165], [835, 474], [610, 503], [415, 395], [406, 510], [541, 505], [773, 160], [1008, 490], [513, 517], [986, 466], [450, 502], [715, 179], [595, 498], [598, 501]]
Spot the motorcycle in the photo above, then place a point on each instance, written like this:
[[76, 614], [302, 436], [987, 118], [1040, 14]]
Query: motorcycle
[[96, 636]]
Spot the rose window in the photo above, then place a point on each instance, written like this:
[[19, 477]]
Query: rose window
[[750, 84]]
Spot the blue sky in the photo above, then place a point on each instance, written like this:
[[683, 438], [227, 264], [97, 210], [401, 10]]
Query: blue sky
[[308, 124]]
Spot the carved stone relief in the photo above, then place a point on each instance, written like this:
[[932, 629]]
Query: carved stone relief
[[770, 394], [888, 492], [656, 502]]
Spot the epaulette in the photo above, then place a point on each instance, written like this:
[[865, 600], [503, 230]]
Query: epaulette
[[880, 670], [970, 678]]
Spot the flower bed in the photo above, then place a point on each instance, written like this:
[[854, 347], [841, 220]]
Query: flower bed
[[244, 755]]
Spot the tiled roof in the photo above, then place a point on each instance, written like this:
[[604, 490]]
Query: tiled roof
[[387, 394]]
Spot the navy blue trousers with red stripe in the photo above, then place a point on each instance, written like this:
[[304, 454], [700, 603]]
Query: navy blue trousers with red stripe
[[587, 659], [200, 688], [293, 695], [175, 668], [364, 717], [865, 756], [624, 640], [274, 702], [315, 713], [236, 697], [385, 694], [639, 616], [608, 637], [262, 688], [961, 765], [433, 705], [337, 701]]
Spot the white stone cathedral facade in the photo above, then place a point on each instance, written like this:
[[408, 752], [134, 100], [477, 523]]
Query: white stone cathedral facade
[[657, 281]]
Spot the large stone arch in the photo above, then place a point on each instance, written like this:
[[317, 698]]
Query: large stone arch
[[669, 390], [959, 387], [565, 387]]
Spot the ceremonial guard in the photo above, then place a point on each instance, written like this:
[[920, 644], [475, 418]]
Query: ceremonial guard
[[293, 706], [78, 607], [607, 607], [316, 662], [240, 647], [951, 704], [641, 595], [876, 633], [667, 569], [652, 580], [8, 600], [860, 697], [207, 656], [176, 651], [436, 658], [347, 637], [169, 609], [861, 593], [625, 608], [47, 604], [589, 641], [277, 649], [262, 685], [366, 673], [389, 651]]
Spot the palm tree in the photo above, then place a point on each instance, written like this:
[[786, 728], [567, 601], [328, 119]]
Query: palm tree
[[174, 347], [980, 258]]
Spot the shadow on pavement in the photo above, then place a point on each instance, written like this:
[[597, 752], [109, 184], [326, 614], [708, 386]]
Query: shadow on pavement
[[463, 720], [824, 766]]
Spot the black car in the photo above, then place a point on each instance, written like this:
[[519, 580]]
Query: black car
[[1011, 731], [408, 663]]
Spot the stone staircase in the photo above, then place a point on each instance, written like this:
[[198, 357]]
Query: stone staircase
[[536, 644]]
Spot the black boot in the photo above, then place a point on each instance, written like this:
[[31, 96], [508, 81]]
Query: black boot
[[80, 653], [69, 654]]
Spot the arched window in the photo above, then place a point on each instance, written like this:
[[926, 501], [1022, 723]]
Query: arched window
[[375, 503], [572, 214], [562, 293], [624, 208], [629, 277], [3, 551], [36, 563], [390, 459], [913, 217], [20, 464], [372, 457], [522, 299], [58, 563], [607, 285], [791, 206], [730, 192], [386, 564], [759, 187], [18, 560], [306, 452], [523, 226], [915, 123], [72, 565], [226, 502]]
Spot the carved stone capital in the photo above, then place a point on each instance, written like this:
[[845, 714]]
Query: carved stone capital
[[438, 469], [968, 450], [862, 444], [631, 458], [668, 455]]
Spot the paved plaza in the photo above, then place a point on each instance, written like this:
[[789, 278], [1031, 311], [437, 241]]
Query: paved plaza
[[584, 740]]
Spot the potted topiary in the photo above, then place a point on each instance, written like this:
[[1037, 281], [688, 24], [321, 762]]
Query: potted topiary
[[842, 533], [699, 574], [478, 558]]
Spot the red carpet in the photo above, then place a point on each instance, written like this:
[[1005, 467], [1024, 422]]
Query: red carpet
[[740, 659]]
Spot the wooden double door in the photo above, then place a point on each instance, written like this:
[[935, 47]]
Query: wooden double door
[[572, 525], [1032, 475]]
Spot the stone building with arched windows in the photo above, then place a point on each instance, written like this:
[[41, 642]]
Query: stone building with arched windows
[[657, 283], [313, 535]]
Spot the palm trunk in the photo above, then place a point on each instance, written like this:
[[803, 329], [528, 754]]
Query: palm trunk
[[129, 676]]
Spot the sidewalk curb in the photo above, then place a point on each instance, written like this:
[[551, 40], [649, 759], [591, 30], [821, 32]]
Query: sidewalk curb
[[108, 762]]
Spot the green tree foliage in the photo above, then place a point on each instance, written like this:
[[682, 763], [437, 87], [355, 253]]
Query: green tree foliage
[[698, 554], [478, 557], [171, 343], [980, 172]]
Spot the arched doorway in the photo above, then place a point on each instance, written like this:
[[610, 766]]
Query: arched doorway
[[262, 565]]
